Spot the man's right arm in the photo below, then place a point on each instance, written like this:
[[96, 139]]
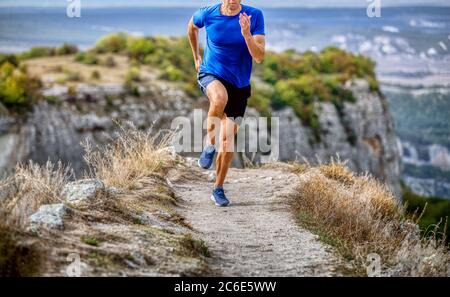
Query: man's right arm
[[193, 40]]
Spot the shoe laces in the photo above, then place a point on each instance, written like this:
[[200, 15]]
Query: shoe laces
[[220, 192]]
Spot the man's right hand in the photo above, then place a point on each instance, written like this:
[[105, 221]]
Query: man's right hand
[[198, 63]]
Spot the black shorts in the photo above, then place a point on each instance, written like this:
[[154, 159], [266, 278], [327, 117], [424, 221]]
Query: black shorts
[[237, 97]]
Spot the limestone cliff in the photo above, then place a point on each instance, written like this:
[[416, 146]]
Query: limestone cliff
[[362, 133]]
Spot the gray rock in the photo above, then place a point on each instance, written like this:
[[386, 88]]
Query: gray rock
[[83, 191], [56, 91], [163, 214], [211, 176], [112, 191], [153, 220], [49, 216], [150, 219], [190, 161], [91, 121]]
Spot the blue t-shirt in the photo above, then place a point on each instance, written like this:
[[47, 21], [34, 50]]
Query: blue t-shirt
[[226, 54]]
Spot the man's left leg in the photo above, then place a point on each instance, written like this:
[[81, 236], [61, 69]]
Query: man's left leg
[[228, 130]]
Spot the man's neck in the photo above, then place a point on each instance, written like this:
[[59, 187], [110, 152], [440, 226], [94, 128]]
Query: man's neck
[[226, 11]]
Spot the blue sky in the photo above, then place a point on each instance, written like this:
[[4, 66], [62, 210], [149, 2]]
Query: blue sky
[[196, 3]]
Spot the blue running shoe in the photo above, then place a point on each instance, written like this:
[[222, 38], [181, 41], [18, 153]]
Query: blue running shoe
[[207, 156], [218, 196]]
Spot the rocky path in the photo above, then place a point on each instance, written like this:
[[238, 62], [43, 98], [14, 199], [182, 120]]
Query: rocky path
[[257, 234]]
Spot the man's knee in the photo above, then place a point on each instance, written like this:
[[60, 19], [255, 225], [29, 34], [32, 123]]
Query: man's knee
[[219, 100], [217, 95]]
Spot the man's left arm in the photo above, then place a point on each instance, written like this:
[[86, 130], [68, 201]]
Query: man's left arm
[[256, 43]]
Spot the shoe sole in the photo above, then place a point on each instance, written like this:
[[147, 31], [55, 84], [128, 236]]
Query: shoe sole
[[217, 204], [198, 163]]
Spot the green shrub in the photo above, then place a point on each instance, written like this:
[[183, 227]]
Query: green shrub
[[302, 79], [12, 59], [90, 240], [269, 75], [132, 88], [365, 67], [38, 52], [133, 75], [172, 55], [46, 51], [335, 60], [300, 94], [193, 247], [87, 58], [172, 73], [66, 49], [112, 43], [72, 91], [331, 60], [17, 89], [95, 75], [138, 48], [374, 86], [7, 70]]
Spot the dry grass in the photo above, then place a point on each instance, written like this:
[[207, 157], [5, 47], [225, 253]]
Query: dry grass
[[193, 247], [338, 171], [359, 215], [21, 195], [133, 155], [30, 187], [106, 234]]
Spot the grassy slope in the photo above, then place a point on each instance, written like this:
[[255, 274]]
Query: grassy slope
[[359, 216], [109, 233]]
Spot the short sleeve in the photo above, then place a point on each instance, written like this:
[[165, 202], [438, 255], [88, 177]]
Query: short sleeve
[[199, 17], [259, 23]]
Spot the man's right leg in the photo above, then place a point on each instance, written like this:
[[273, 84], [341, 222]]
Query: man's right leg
[[218, 98], [217, 125]]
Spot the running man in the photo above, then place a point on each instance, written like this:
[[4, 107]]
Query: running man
[[234, 37]]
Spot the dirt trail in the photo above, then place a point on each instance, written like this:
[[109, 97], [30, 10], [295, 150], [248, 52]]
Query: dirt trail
[[257, 234]]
